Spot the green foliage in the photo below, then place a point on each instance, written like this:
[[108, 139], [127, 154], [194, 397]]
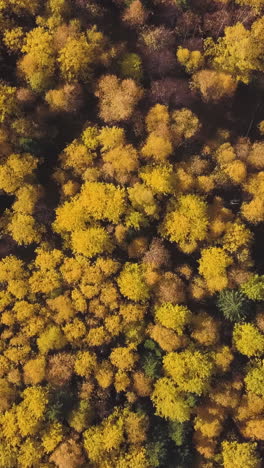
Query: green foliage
[[254, 288], [233, 304], [131, 66]]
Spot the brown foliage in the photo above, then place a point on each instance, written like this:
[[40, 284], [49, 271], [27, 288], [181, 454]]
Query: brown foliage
[[68, 455], [135, 14], [60, 369], [215, 23], [188, 24], [117, 98], [157, 255], [170, 288], [171, 92]]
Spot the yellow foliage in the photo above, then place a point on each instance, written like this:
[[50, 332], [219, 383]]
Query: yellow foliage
[[159, 178], [17, 167], [38, 65], [212, 265], [50, 339], [24, 229], [239, 455], [131, 283], [13, 39], [190, 370], [91, 242], [85, 363], [79, 53], [31, 410], [52, 436], [30, 453], [132, 312], [214, 85], [248, 339], [34, 370], [27, 197], [104, 374], [142, 199], [191, 60], [223, 358], [239, 51], [123, 358], [169, 401], [167, 339], [157, 147], [81, 417], [120, 161], [236, 236], [186, 223], [8, 104], [62, 306], [74, 330], [185, 125], [172, 316], [111, 137], [97, 336], [122, 381]]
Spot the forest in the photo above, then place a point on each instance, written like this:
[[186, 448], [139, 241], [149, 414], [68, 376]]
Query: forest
[[132, 230]]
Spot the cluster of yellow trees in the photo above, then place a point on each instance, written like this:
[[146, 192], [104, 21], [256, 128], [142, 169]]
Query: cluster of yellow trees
[[131, 311]]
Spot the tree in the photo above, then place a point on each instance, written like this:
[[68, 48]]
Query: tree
[[117, 99], [214, 86], [23, 229], [239, 51], [186, 222], [159, 177], [77, 56], [212, 265], [135, 15], [248, 340], [233, 304], [123, 358], [157, 147], [169, 402], [91, 242], [254, 379], [120, 162], [68, 98], [254, 158], [15, 170], [185, 124], [131, 66], [132, 284], [238, 455], [111, 137], [205, 329], [30, 453], [191, 60], [68, 454], [34, 370], [191, 371], [8, 102], [172, 316], [38, 63], [51, 338], [254, 288], [59, 369]]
